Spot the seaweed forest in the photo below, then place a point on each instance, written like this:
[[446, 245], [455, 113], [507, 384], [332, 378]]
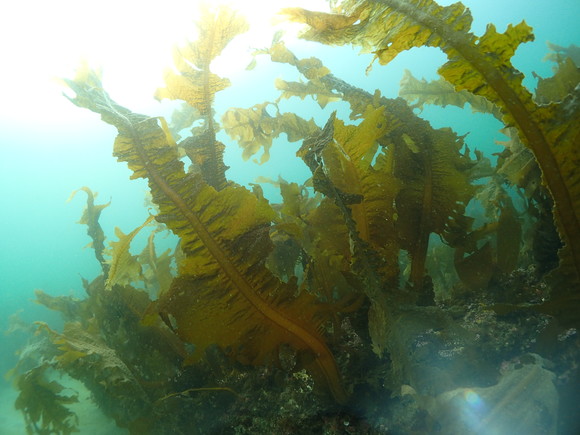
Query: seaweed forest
[[410, 285]]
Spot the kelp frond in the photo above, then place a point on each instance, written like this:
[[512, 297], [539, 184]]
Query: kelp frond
[[195, 84], [224, 294], [254, 128], [442, 93], [45, 403], [124, 267], [90, 218], [480, 65]]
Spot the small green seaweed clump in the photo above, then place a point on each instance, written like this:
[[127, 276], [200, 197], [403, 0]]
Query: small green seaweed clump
[[333, 311]]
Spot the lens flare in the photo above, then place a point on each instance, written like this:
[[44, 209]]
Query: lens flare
[[473, 399]]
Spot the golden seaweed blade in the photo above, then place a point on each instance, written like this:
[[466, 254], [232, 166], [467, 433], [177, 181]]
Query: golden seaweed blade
[[193, 82], [482, 66], [124, 267], [224, 294]]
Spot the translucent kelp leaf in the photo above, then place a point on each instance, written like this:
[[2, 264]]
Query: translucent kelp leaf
[[509, 235], [318, 20], [157, 273], [317, 229], [182, 118], [195, 84], [557, 87], [303, 90], [328, 234], [70, 308], [517, 163], [191, 89], [476, 269], [314, 67], [382, 27], [255, 128], [558, 53], [442, 93], [90, 218], [124, 267]]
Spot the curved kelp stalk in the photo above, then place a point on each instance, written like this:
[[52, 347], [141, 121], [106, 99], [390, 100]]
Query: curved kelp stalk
[[480, 65], [224, 293]]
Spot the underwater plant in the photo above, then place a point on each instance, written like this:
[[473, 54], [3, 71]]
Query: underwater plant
[[481, 66], [328, 292]]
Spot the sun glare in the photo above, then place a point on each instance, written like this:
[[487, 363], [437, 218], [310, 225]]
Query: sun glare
[[130, 40]]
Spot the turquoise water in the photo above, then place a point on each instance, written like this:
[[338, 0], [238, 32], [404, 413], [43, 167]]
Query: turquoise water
[[43, 161]]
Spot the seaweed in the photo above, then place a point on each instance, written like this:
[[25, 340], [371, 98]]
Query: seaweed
[[158, 272], [195, 84], [338, 287], [84, 355], [224, 235], [442, 93], [90, 218], [402, 130], [124, 267], [254, 128], [480, 65], [44, 405]]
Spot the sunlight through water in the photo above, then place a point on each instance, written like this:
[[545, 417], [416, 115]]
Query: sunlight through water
[[130, 40]]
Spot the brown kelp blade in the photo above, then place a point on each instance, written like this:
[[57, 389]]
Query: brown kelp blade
[[482, 66], [224, 293]]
